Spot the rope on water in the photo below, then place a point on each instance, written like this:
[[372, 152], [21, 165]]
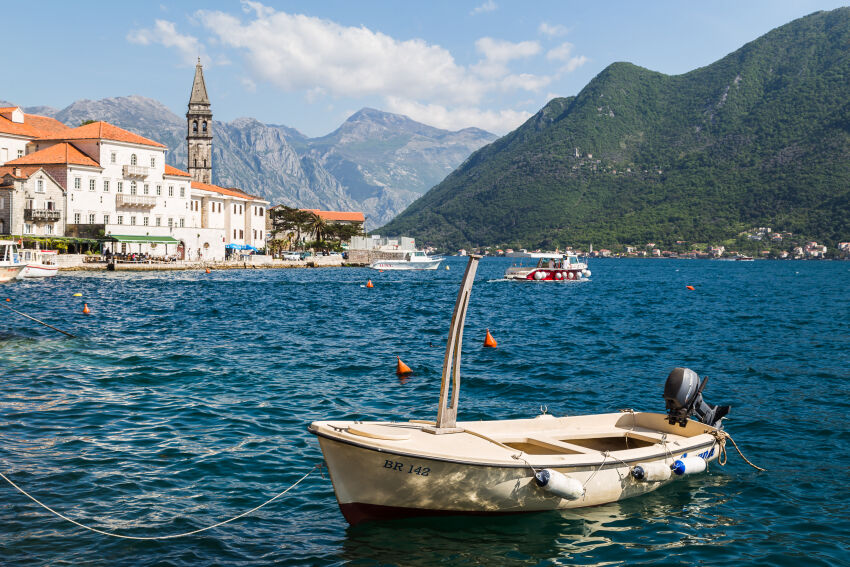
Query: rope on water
[[148, 538], [721, 437]]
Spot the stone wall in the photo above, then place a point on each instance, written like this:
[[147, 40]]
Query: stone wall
[[366, 257]]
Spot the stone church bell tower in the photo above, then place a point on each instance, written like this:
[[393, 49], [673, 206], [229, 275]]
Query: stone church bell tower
[[199, 130]]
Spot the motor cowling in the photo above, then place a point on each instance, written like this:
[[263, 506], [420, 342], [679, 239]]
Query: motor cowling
[[683, 399]]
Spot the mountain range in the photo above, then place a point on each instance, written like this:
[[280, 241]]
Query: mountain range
[[759, 138], [375, 162]]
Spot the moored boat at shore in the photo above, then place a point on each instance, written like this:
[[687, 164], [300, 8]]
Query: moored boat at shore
[[383, 470], [551, 266], [10, 261], [38, 263], [413, 260]]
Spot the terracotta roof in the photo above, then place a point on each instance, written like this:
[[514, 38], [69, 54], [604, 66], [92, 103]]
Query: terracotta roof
[[64, 153], [170, 170], [222, 190], [338, 215], [25, 170], [33, 126], [103, 131]]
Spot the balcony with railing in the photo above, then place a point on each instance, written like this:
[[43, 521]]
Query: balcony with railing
[[139, 171], [42, 215], [135, 201]]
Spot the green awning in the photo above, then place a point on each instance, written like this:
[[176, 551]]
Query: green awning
[[142, 239]]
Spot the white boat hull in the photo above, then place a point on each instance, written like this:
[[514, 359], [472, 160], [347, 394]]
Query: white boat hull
[[405, 265], [9, 273], [38, 271], [479, 475]]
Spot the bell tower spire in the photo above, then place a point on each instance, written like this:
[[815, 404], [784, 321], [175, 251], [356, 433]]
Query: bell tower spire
[[199, 130]]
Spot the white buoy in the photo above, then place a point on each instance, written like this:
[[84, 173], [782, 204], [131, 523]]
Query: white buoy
[[586, 273], [655, 471], [688, 465], [559, 484], [539, 275]]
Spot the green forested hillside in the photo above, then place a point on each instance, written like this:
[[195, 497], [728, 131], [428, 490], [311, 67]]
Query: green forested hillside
[[759, 138]]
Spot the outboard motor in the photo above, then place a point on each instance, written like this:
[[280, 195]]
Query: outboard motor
[[683, 397]]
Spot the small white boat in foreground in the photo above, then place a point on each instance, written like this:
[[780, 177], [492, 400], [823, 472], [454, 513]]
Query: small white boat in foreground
[[38, 263], [10, 261], [383, 470], [415, 260]]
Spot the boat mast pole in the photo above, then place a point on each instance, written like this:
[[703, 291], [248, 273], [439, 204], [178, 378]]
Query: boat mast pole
[[447, 412]]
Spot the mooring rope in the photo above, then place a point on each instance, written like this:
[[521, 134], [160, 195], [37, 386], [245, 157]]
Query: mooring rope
[[721, 437], [148, 538]]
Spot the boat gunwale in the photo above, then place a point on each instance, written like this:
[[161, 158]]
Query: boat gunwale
[[315, 430]]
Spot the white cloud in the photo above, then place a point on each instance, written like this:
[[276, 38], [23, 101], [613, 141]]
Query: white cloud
[[574, 63], [552, 30], [496, 121], [488, 6], [165, 33], [560, 53], [498, 54]]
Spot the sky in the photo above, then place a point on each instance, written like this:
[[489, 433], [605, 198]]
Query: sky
[[489, 64]]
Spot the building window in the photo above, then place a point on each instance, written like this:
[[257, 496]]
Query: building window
[[159, 190], [234, 234], [144, 221], [133, 160], [39, 186], [91, 184], [182, 222], [212, 207], [182, 191], [171, 190], [119, 186], [76, 218], [153, 161], [106, 186], [261, 235], [132, 188], [48, 229], [204, 127], [20, 153], [234, 208], [91, 218], [194, 126], [219, 207], [158, 221], [255, 234], [146, 189], [113, 157], [132, 220], [105, 219], [49, 205], [170, 222], [241, 233], [77, 183], [27, 228], [120, 220]]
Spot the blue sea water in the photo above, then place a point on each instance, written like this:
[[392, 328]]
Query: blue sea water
[[184, 400]]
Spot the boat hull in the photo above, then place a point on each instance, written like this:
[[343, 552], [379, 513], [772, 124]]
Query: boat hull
[[376, 483], [544, 274], [403, 265], [9, 273], [38, 271]]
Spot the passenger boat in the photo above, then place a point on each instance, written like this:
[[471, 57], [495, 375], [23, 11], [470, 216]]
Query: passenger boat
[[10, 261], [383, 470], [39, 263], [551, 266], [414, 260]]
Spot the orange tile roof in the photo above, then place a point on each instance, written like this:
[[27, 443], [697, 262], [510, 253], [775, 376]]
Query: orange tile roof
[[25, 170], [64, 153], [170, 170], [338, 215], [33, 126], [102, 131], [224, 191]]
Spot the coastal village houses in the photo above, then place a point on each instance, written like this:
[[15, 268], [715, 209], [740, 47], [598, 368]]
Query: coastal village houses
[[99, 181]]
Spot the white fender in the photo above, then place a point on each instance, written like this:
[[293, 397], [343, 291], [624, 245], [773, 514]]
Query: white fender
[[559, 484], [655, 471], [688, 465]]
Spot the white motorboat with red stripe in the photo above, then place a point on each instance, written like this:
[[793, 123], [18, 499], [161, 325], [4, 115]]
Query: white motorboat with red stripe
[[384, 470], [39, 263], [550, 267], [10, 261]]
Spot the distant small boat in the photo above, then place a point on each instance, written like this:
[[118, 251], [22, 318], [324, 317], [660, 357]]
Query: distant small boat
[[414, 260], [744, 258], [551, 266], [10, 261], [39, 263]]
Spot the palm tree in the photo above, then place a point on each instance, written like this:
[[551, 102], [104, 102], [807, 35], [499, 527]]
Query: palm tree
[[317, 226]]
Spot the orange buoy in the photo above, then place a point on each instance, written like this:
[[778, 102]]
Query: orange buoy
[[86, 309], [401, 368], [208, 270], [489, 341], [370, 284], [7, 299], [690, 287]]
